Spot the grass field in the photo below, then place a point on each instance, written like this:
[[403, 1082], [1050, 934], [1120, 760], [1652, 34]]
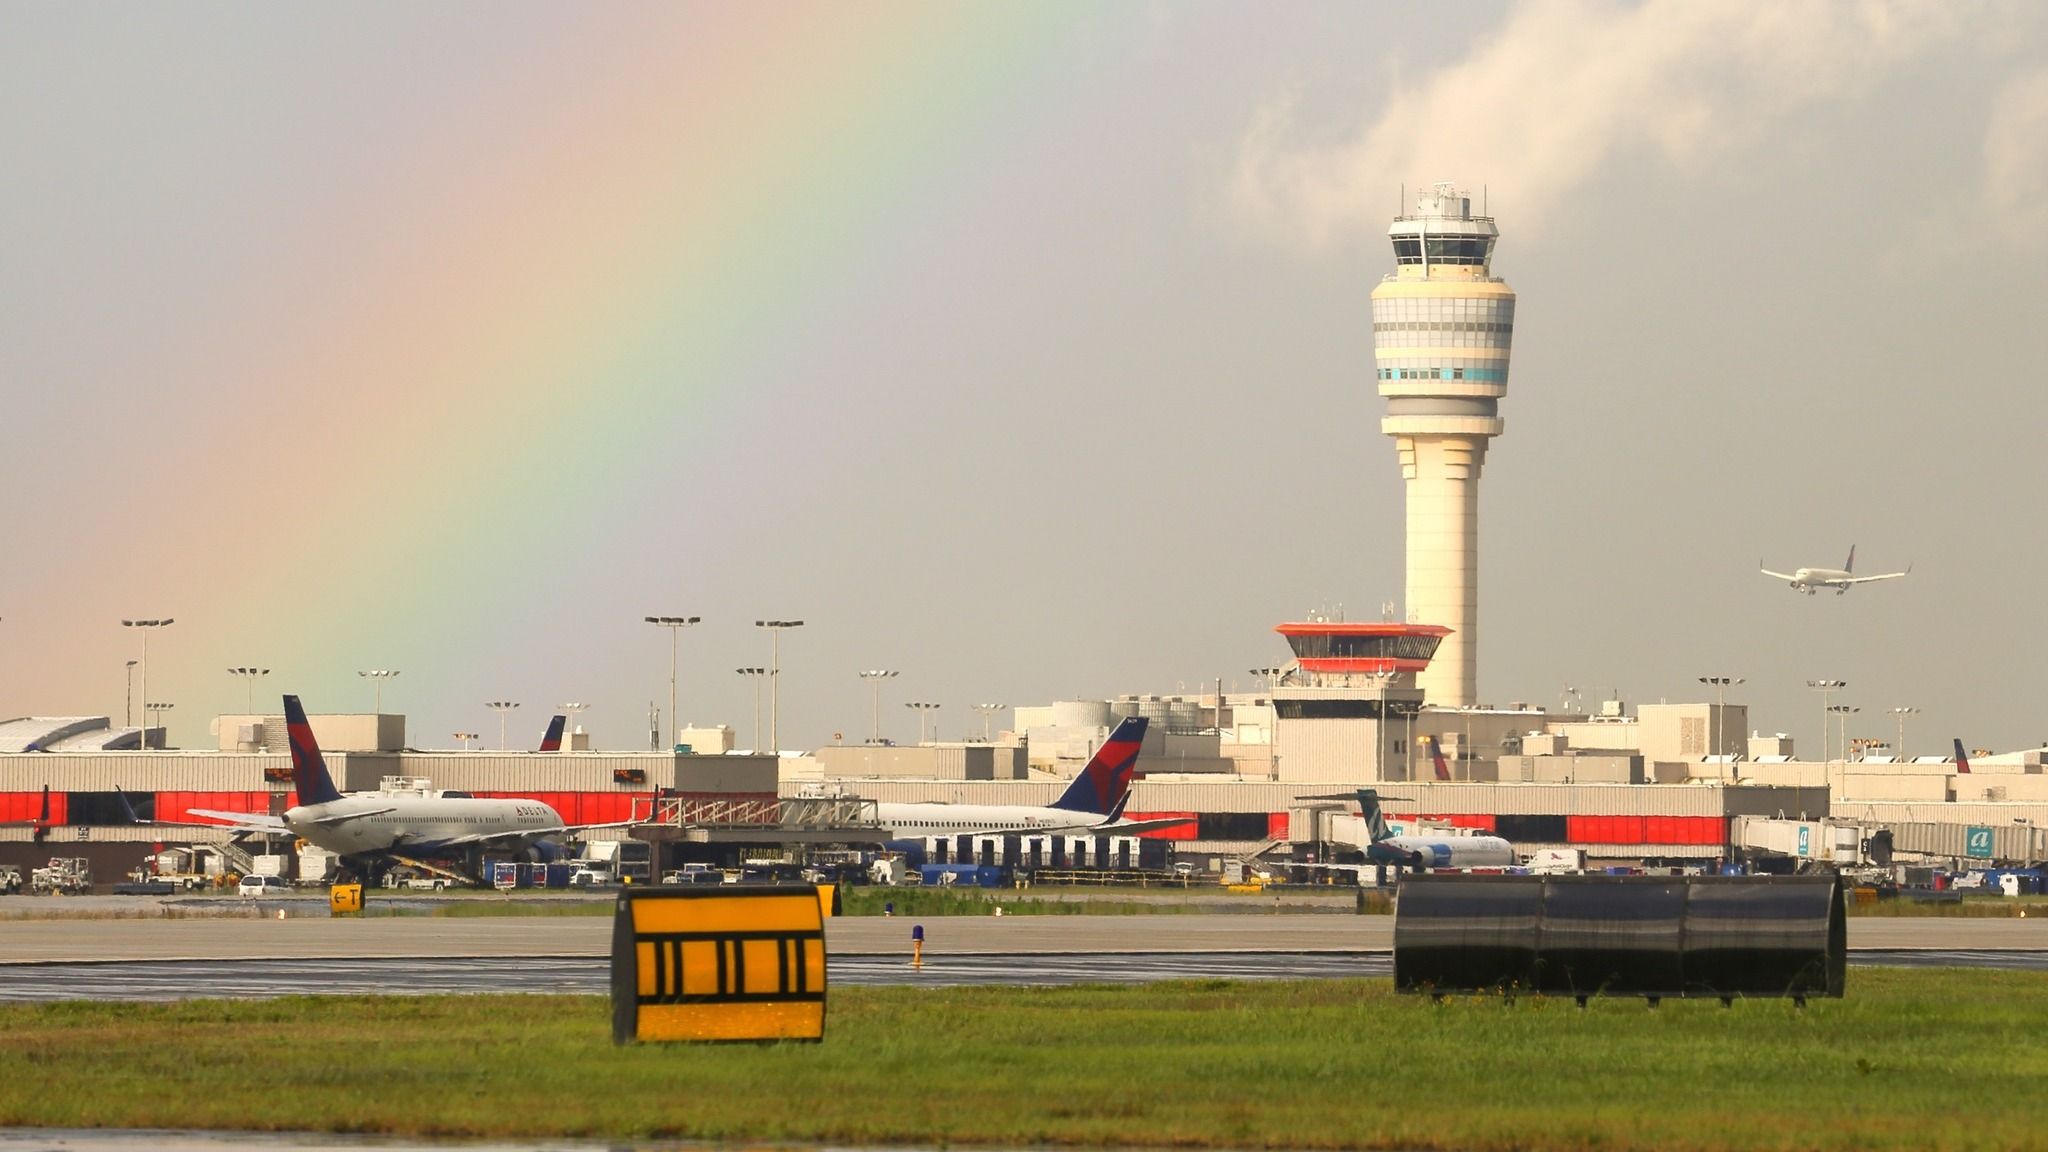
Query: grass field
[[1913, 1059]]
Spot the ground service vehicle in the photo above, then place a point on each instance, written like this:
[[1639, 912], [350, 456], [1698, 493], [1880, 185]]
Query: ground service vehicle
[[590, 875], [65, 876], [261, 885]]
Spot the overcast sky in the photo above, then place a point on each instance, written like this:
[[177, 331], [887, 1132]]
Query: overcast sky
[[1024, 350]]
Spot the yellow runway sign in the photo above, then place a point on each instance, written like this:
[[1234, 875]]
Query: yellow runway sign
[[345, 899], [724, 963]]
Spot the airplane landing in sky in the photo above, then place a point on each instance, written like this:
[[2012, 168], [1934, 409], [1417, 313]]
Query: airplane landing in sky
[[1812, 580]]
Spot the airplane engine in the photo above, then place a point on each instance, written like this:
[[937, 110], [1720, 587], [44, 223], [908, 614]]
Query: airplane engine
[[544, 852]]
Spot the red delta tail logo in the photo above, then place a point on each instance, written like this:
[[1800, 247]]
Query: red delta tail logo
[[1102, 785], [310, 782], [1436, 757], [552, 741]]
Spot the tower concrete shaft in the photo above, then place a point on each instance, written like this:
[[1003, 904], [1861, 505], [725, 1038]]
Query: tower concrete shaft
[[1443, 327]]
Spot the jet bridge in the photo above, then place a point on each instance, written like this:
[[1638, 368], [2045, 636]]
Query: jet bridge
[[788, 820]]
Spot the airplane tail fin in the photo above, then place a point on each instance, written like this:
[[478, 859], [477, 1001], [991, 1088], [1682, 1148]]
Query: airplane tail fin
[[1962, 761], [310, 782], [552, 742], [1850, 566], [1101, 787], [1375, 820], [1436, 756], [42, 825]]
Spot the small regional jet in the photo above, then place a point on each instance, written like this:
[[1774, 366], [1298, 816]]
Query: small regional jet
[[1091, 806], [1812, 580], [1418, 852], [373, 826]]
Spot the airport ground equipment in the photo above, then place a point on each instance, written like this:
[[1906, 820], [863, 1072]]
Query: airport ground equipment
[[65, 876], [10, 879], [1648, 936], [727, 962]]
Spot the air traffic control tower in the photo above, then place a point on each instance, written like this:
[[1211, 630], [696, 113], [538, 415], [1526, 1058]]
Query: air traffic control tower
[[1441, 329]]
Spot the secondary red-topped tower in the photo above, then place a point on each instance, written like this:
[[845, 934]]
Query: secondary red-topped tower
[[1345, 712]]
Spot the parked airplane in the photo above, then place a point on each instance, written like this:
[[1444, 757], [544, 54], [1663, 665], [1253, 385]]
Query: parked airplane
[[1812, 580], [373, 826], [1091, 806], [1962, 769], [1387, 849]]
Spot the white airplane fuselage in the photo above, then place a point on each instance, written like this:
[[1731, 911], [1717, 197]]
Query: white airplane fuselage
[[1444, 851], [367, 823], [1812, 580], [915, 821]]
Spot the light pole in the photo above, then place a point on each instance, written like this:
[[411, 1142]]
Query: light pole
[[1843, 712], [501, 707], [146, 625], [874, 677], [1826, 688], [1899, 749], [378, 676], [755, 674], [675, 625], [775, 630], [570, 710], [159, 710], [466, 737], [924, 709], [249, 676], [1270, 675], [128, 709], [1464, 742], [986, 711], [1721, 685]]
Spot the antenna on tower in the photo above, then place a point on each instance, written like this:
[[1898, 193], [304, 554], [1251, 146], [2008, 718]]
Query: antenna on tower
[[1482, 201]]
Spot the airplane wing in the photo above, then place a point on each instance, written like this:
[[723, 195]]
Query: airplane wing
[[240, 821], [1883, 576], [1354, 869], [515, 834], [1779, 575]]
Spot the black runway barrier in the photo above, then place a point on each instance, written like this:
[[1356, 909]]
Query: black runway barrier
[[1648, 936]]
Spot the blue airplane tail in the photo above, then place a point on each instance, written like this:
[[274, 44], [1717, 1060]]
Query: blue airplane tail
[[1105, 783], [1375, 820], [1962, 761], [310, 782]]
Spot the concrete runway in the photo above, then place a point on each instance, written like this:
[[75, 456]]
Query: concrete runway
[[415, 937], [134, 980]]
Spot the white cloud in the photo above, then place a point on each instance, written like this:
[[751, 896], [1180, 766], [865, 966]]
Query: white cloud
[[1564, 85]]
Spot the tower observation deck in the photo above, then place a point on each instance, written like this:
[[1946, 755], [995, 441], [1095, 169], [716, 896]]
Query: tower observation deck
[[1442, 327]]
